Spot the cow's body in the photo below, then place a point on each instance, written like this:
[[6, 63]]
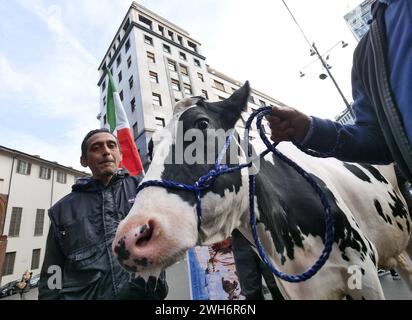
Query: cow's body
[[372, 224], [293, 219]]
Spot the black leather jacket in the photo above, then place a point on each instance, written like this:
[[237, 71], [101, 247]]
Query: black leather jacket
[[83, 226]]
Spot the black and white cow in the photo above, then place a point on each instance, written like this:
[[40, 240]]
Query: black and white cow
[[372, 226]]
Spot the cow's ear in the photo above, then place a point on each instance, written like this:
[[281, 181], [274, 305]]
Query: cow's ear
[[233, 106], [240, 97]]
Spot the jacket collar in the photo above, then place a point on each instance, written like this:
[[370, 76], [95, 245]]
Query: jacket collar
[[89, 184]]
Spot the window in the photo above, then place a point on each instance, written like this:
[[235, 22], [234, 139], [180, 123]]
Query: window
[[35, 259], [251, 99], [161, 30], [129, 62], [145, 22], [262, 103], [121, 95], [44, 173], [8, 267], [171, 35], [180, 40], [188, 88], [23, 167], [171, 65], [104, 119], [151, 56], [192, 46], [38, 226], [200, 76], [148, 40], [135, 130], [131, 82], [153, 77], [219, 86], [15, 222], [111, 70], [118, 38], [61, 177], [197, 62], [182, 56], [118, 60], [127, 45], [157, 99], [183, 70], [205, 95], [120, 76], [160, 122], [110, 55], [166, 48], [103, 86], [133, 104], [175, 85], [127, 24]]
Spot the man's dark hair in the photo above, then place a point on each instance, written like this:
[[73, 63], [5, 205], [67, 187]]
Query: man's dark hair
[[92, 133]]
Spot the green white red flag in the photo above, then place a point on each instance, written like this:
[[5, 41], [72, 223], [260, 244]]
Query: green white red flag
[[119, 126]]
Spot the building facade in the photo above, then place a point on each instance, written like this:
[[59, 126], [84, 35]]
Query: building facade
[[358, 22], [358, 18], [154, 64], [29, 186]]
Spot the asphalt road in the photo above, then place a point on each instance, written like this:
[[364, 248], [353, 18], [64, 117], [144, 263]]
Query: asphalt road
[[177, 278]]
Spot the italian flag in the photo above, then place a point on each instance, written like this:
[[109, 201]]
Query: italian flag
[[119, 126]]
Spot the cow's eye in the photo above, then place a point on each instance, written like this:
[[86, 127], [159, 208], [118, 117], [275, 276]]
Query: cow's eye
[[202, 124]]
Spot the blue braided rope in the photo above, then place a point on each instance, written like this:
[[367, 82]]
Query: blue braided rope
[[330, 221], [206, 181]]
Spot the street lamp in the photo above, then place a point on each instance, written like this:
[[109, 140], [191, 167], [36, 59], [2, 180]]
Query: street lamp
[[314, 51], [327, 67]]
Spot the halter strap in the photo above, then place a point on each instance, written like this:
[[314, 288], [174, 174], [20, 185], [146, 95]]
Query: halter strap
[[206, 181]]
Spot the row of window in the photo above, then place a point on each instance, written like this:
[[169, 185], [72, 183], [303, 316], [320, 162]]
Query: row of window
[[24, 167], [10, 258], [166, 48], [15, 222], [160, 123], [220, 86], [147, 23]]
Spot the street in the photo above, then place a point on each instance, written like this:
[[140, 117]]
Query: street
[[177, 278]]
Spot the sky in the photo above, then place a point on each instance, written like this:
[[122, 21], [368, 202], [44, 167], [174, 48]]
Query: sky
[[51, 49]]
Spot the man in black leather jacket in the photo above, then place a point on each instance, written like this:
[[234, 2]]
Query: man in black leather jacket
[[78, 263]]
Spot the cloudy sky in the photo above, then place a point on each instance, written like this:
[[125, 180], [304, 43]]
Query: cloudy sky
[[50, 51]]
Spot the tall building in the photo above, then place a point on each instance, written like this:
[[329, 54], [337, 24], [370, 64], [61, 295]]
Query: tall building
[[358, 22], [29, 186], [358, 18], [155, 63]]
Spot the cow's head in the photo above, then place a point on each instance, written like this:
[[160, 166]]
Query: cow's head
[[162, 223]]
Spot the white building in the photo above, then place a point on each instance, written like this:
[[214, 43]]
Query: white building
[[29, 186], [154, 64], [358, 18]]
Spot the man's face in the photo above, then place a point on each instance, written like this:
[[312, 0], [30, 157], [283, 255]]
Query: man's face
[[103, 156]]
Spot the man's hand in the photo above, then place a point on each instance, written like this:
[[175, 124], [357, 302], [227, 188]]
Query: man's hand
[[288, 124]]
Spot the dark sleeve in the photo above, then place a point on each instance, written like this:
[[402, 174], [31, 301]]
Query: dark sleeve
[[361, 142], [139, 289], [53, 257]]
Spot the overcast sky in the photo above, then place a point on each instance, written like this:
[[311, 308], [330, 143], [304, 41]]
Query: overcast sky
[[51, 49]]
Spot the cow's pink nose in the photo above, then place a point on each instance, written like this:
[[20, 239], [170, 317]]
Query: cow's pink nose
[[134, 244], [139, 236]]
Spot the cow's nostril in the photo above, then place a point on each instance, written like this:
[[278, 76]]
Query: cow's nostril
[[145, 234]]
